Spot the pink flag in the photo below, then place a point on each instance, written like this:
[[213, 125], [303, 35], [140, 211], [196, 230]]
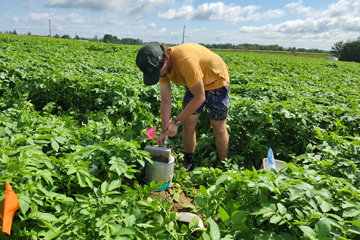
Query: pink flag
[[151, 133]]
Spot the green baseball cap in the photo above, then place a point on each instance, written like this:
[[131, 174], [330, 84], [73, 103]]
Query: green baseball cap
[[148, 60]]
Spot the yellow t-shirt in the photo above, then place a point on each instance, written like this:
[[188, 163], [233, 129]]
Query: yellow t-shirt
[[193, 62]]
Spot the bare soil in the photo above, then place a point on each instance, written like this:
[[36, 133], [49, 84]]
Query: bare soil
[[177, 206]]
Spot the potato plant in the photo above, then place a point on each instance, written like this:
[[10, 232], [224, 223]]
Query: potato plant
[[67, 106]]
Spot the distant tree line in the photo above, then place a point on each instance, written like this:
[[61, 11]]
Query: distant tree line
[[10, 32], [249, 46], [108, 38], [348, 51], [126, 41]]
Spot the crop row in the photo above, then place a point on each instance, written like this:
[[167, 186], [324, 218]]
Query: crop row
[[65, 105]]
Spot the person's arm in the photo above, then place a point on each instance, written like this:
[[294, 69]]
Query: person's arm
[[165, 107], [199, 97]]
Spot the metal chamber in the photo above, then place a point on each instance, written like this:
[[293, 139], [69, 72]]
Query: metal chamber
[[160, 171]]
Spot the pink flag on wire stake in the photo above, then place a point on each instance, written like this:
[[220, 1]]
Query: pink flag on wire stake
[[151, 132]]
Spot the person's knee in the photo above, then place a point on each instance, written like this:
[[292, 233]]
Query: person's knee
[[219, 128], [190, 123]]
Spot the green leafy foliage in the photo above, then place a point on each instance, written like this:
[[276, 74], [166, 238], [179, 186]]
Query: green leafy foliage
[[73, 117]]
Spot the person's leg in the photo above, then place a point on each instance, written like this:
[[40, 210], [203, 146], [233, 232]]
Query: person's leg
[[218, 103], [189, 141], [221, 138], [189, 135]]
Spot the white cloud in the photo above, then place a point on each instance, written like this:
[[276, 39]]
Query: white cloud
[[39, 16], [310, 25], [141, 6], [32, 4], [297, 8], [151, 25], [297, 23], [185, 12], [340, 21], [218, 10], [94, 5], [121, 6], [265, 15], [341, 8]]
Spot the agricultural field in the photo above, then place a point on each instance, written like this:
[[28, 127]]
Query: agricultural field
[[66, 105]]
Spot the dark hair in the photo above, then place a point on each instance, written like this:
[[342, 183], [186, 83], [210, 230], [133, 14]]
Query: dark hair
[[165, 54]]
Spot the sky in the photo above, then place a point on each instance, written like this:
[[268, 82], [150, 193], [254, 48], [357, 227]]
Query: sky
[[301, 24]]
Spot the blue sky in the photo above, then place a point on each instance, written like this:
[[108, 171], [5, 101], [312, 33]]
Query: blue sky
[[302, 24]]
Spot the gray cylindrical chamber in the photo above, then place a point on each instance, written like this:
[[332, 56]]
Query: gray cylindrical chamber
[[160, 171]]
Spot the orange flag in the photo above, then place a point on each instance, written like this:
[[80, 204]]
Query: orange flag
[[11, 205], [151, 132]]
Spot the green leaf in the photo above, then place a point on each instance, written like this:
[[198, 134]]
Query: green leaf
[[71, 170], [323, 227], [55, 145], [275, 219], [80, 198], [173, 216], [81, 179], [13, 168], [130, 221], [282, 209], [224, 216], [299, 213], [24, 204], [118, 165], [308, 232], [325, 206], [259, 211], [114, 184], [194, 222], [171, 227], [351, 212], [340, 219], [52, 234], [104, 187], [184, 229], [262, 198], [200, 202], [304, 186], [309, 148], [238, 217], [5, 158], [126, 231], [205, 236], [47, 217], [354, 222], [214, 229], [203, 191], [354, 229], [221, 180], [143, 204]]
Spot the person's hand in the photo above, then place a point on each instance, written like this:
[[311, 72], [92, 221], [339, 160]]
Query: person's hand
[[161, 139], [171, 129]]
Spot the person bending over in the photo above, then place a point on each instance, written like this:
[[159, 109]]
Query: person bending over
[[206, 80]]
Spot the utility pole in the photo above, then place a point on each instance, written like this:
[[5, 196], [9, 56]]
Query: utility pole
[[49, 27], [183, 35]]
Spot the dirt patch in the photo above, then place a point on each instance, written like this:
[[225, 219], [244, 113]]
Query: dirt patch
[[179, 205]]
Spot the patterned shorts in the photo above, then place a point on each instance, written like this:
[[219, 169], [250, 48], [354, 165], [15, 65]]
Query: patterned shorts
[[217, 101]]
